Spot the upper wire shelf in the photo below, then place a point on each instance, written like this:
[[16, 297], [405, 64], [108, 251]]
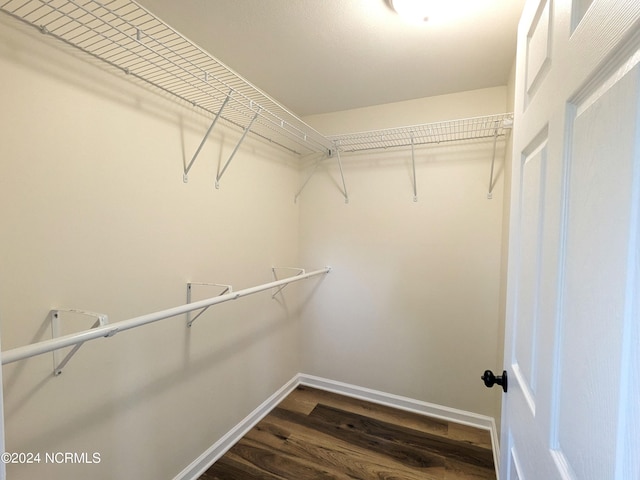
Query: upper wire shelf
[[127, 36], [477, 128]]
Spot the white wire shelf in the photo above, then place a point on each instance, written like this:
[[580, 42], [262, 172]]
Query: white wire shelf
[[490, 127], [477, 128], [127, 36]]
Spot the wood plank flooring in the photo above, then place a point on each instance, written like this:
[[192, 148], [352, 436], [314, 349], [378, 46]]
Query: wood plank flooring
[[315, 435]]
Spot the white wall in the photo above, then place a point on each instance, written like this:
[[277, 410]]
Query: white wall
[[412, 305], [412, 112], [94, 215]]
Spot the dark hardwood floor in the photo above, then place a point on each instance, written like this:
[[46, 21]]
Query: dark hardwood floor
[[316, 435]]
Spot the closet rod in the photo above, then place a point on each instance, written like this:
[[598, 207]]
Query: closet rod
[[110, 330]]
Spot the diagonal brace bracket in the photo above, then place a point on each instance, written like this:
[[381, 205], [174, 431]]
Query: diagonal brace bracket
[[225, 289], [275, 277], [506, 126], [344, 185], [413, 164], [56, 331], [493, 161], [244, 134], [185, 176]]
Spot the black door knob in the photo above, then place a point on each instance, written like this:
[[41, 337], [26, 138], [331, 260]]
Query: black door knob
[[490, 379]]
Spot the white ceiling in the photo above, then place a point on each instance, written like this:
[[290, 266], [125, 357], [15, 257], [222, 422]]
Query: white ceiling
[[319, 56]]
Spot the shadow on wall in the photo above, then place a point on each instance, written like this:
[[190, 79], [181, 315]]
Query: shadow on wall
[[190, 369]]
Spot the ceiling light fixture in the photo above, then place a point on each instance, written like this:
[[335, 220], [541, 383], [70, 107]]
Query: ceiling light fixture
[[413, 11]]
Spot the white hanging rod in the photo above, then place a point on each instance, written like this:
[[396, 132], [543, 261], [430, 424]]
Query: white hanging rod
[[125, 35], [110, 330], [475, 128]]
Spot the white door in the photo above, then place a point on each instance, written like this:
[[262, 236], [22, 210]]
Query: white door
[[572, 410]]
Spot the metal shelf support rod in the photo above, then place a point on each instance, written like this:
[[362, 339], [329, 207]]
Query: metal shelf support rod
[[344, 185], [20, 353], [185, 178], [413, 164], [244, 134], [493, 161]]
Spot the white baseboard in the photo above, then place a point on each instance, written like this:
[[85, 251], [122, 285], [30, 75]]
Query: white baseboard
[[218, 449], [409, 404], [209, 457]]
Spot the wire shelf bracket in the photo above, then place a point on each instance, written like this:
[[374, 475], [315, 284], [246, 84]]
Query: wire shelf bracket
[[56, 331], [506, 125], [235, 150], [300, 271], [413, 166], [225, 289], [493, 161], [185, 177], [344, 185]]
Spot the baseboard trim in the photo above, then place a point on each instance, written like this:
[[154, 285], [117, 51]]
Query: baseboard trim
[[411, 405], [200, 465], [218, 449]]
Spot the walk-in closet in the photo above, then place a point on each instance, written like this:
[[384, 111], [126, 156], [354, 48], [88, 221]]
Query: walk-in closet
[[182, 250]]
